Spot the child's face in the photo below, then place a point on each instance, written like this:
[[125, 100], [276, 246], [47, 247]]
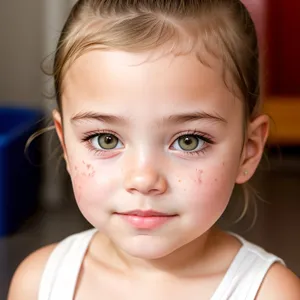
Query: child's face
[[143, 162]]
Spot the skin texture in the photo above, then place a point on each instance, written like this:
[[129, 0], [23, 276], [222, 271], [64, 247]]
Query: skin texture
[[139, 101], [145, 171]]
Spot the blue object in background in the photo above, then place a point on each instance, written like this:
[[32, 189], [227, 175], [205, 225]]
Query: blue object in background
[[19, 178]]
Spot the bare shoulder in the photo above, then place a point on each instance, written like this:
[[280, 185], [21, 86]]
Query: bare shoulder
[[26, 280], [280, 283]]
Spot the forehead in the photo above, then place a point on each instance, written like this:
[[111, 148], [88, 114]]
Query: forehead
[[122, 80]]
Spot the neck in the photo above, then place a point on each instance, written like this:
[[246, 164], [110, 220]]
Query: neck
[[186, 261]]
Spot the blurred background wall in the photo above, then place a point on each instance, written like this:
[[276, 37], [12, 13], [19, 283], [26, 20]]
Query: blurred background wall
[[22, 45], [28, 33]]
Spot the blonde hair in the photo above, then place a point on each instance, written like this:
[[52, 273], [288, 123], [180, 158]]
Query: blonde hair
[[222, 28]]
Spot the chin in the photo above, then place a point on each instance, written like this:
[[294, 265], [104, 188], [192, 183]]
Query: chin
[[148, 247]]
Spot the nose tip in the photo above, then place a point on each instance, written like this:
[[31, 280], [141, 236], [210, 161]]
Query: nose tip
[[146, 182]]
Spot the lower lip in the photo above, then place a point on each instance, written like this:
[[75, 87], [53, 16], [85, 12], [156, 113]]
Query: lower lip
[[149, 223]]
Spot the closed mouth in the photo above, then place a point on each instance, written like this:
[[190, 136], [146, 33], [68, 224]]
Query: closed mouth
[[146, 213]]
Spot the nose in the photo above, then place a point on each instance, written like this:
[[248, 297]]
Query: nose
[[146, 181]]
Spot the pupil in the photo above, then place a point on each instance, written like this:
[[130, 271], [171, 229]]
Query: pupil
[[108, 139], [188, 141]]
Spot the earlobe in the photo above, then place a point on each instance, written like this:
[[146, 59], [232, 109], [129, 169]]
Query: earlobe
[[256, 138], [59, 130]]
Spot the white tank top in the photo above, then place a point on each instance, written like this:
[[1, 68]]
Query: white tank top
[[241, 282]]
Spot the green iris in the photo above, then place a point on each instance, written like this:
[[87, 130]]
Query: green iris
[[107, 141], [188, 142]]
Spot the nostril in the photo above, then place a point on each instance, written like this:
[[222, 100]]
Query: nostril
[[146, 183]]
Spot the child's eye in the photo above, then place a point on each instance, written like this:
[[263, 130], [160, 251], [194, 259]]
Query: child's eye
[[189, 143], [105, 141]]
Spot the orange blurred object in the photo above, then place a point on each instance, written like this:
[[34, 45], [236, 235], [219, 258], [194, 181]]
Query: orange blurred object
[[285, 120]]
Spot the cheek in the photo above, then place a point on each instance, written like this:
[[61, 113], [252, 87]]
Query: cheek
[[207, 192], [92, 188]]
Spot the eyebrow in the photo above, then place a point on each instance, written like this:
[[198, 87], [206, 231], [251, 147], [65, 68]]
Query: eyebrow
[[104, 118], [174, 119], [196, 116]]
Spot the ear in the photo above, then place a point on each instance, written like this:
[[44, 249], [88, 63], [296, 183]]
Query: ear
[[257, 134], [59, 130]]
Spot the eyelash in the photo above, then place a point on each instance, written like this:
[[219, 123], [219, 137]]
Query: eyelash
[[206, 138], [92, 134], [202, 136]]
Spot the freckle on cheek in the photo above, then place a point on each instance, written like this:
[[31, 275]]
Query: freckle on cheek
[[199, 175], [92, 174], [90, 170]]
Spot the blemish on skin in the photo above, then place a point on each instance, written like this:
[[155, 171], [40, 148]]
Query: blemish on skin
[[179, 180], [88, 166], [216, 179], [83, 162], [92, 174], [199, 175], [76, 168]]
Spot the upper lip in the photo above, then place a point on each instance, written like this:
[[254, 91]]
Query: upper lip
[[146, 213]]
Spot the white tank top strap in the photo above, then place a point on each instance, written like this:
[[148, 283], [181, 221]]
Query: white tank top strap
[[241, 282], [62, 269], [246, 273]]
